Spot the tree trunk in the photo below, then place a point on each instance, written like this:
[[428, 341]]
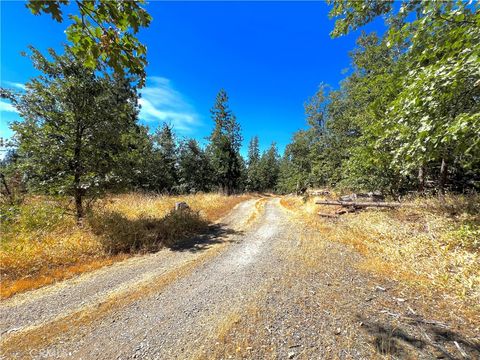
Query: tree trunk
[[443, 178], [77, 173], [79, 205], [421, 179], [7, 189], [358, 204]]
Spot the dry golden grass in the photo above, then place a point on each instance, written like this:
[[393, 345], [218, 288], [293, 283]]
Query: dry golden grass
[[428, 244], [233, 337], [42, 244], [75, 323]]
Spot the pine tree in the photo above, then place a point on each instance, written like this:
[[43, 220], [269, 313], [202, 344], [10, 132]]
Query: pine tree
[[253, 181], [166, 158], [76, 127], [269, 168], [224, 147], [194, 168]]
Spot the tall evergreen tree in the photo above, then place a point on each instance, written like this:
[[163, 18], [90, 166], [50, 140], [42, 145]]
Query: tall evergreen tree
[[224, 147], [268, 168], [195, 173], [295, 170], [76, 127], [253, 181], [166, 158]]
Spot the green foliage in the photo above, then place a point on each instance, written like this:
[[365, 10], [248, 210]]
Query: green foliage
[[137, 169], [408, 113], [165, 159], [44, 216], [269, 169], [195, 172], [76, 127], [12, 187], [103, 32], [36, 216], [253, 181], [352, 14], [295, 169], [262, 171], [224, 146]]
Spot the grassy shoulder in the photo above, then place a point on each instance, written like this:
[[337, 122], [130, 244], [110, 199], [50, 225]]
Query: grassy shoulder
[[430, 245], [41, 242]]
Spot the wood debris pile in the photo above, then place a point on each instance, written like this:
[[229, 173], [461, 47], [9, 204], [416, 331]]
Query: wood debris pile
[[355, 202]]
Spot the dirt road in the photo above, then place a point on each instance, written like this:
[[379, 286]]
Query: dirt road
[[253, 288]]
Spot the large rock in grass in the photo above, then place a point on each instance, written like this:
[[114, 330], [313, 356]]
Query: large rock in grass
[[181, 206]]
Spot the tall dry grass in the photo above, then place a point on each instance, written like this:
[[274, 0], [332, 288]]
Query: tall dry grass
[[429, 244], [41, 242]]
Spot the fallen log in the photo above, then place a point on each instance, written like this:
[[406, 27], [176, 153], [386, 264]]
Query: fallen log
[[345, 211], [371, 196], [332, 216], [358, 204]]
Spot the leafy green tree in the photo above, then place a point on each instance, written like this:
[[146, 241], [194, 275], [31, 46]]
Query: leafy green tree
[[103, 32], [295, 169], [413, 94], [436, 117], [195, 173], [224, 147], [75, 128], [358, 116]]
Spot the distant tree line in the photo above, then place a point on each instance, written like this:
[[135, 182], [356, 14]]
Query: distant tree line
[[407, 116], [79, 136]]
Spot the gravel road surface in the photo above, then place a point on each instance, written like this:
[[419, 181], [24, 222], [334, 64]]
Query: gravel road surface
[[243, 291]]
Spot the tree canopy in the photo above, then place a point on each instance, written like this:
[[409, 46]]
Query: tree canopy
[[103, 32], [408, 112], [75, 127]]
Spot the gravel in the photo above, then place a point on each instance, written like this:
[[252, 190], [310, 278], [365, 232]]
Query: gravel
[[282, 310]]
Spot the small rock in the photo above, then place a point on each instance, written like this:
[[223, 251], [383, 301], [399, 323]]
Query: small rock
[[291, 354], [379, 288], [181, 205], [338, 331]]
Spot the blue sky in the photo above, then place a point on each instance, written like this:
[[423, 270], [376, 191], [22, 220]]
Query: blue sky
[[269, 56]]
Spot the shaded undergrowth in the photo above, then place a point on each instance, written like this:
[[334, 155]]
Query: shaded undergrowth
[[118, 233]]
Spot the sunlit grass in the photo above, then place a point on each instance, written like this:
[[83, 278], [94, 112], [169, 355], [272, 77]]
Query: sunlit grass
[[41, 242], [426, 243]]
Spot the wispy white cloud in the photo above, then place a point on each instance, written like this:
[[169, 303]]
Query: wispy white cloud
[[5, 106], [17, 85], [161, 102]]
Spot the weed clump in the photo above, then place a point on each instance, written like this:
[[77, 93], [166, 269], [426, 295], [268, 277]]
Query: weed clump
[[119, 234]]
